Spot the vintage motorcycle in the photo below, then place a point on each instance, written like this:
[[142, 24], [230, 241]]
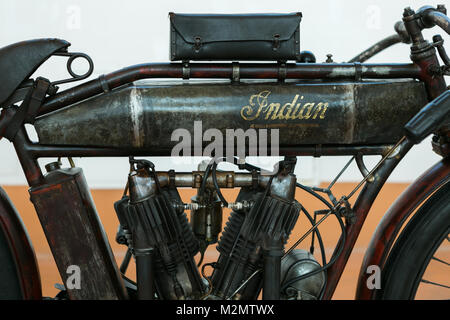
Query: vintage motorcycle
[[318, 109]]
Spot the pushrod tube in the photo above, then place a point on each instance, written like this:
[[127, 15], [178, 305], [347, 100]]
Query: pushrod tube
[[332, 71]]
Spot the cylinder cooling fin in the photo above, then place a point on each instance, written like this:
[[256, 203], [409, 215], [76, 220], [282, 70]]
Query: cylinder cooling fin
[[241, 246], [155, 223], [175, 271]]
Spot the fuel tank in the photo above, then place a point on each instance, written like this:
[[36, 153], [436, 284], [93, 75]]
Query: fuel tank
[[145, 115]]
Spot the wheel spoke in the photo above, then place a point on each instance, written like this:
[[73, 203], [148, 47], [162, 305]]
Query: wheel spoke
[[442, 261], [435, 283]]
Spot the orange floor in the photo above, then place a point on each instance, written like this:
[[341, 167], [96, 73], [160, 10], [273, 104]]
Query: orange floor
[[329, 229]]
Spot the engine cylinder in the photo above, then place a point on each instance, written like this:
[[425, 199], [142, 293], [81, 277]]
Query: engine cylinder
[[155, 223], [241, 245]]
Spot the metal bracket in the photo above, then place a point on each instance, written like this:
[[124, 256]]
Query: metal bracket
[[104, 83], [362, 167], [347, 212], [236, 73], [282, 71], [358, 71], [317, 151], [186, 70]]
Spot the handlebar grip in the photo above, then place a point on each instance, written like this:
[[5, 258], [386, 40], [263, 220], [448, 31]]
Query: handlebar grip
[[429, 118]]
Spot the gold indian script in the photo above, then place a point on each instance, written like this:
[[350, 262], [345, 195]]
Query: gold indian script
[[259, 107]]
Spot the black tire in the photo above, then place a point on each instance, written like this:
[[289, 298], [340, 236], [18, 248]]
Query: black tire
[[415, 247]]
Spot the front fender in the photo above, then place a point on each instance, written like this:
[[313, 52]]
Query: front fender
[[15, 239], [391, 223]]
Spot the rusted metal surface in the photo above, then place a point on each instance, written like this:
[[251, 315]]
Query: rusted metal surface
[[423, 54], [144, 116], [21, 249], [438, 17], [225, 71], [393, 220], [76, 237], [401, 36], [377, 47], [225, 179], [434, 83]]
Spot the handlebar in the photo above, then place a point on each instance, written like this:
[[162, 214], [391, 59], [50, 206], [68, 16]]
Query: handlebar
[[430, 17], [427, 16]]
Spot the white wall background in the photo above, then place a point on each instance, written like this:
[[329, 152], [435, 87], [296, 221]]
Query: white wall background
[[122, 33]]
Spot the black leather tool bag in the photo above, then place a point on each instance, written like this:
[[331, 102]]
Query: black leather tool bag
[[235, 36]]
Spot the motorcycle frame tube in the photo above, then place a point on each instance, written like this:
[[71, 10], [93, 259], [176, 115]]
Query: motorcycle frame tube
[[37, 150], [435, 84], [391, 223], [340, 71]]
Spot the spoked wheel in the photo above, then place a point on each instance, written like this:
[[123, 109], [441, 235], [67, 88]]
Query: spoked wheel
[[435, 281], [418, 266]]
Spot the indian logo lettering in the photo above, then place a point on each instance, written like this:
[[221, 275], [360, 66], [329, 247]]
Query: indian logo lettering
[[259, 108]]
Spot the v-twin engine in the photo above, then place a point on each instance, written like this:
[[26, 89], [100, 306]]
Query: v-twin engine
[[164, 243]]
